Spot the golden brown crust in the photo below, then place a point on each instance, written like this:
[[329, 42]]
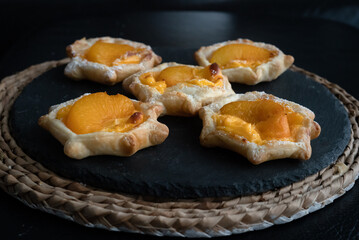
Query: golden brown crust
[[178, 100], [79, 68], [78, 146], [264, 72], [256, 154]]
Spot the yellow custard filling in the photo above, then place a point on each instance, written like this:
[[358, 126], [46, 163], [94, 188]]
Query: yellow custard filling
[[113, 54], [100, 112], [241, 55], [259, 121], [209, 76]]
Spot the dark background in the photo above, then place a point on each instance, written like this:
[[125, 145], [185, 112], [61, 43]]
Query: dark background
[[20, 20]]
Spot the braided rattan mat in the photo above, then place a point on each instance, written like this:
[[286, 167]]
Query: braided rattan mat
[[28, 181]]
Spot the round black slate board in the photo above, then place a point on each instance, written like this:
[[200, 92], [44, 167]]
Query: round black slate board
[[180, 167]]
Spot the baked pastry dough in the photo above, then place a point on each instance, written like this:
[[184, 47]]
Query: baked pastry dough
[[244, 61], [143, 130], [108, 60], [259, 126], [182, 89]]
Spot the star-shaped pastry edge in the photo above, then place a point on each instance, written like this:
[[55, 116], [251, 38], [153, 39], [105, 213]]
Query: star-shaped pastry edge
[[265, 72], [181, 99], [78, 146], [273, 149], [81, 69]]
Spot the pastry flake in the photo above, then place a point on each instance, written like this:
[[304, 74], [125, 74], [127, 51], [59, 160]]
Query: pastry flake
[[182, 89], [108, 60], [245, 61], [97, 124], [259, 126]]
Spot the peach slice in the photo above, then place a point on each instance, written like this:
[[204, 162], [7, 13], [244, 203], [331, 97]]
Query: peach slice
[[177, 74], [253, 111], [171, 76], [241, 55], [109, 53], [237, 126], [269, 117], [98, 112], [149, 79], [275, 127]]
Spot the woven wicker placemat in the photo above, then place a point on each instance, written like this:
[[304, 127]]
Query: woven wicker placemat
[[36, 186]]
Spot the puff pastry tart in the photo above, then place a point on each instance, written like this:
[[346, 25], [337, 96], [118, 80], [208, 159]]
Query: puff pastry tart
[[259, 126], [182, 89], [97, 123], [244, 61], [108, 60]]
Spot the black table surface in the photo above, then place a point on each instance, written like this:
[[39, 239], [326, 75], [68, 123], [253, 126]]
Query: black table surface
[[326, 48]]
